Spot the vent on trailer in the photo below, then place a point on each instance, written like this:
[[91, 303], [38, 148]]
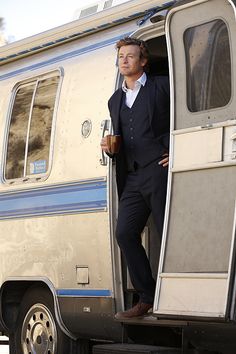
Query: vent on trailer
[[96, 7]]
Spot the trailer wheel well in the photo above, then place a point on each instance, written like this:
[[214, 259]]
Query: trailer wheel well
[[12, 293]]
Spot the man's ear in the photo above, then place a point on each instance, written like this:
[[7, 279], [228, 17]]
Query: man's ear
[[143, 62]]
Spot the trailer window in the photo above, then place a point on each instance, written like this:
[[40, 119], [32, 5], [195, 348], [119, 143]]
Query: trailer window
[[30, 128], [208, 66]]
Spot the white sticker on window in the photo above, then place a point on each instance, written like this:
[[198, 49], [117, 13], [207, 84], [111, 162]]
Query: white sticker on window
[[39, 166]]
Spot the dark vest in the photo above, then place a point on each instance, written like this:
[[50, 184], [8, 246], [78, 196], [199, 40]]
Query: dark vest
[[140, 145]]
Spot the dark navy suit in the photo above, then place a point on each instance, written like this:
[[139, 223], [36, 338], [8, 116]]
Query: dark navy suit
[[141, 181]]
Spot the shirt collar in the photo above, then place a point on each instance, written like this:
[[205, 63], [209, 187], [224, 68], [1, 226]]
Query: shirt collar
[[141, 81]]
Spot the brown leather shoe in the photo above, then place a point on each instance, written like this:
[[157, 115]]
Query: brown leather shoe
[[139, 310]]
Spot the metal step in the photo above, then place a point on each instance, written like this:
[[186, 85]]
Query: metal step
[[119, 348]]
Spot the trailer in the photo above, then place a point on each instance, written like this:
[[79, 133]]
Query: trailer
[[62, 277]]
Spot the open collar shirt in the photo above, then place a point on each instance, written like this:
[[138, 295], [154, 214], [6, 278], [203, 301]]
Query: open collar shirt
[[132, 94]]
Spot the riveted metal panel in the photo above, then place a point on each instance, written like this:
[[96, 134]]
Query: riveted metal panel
[[201, 221]]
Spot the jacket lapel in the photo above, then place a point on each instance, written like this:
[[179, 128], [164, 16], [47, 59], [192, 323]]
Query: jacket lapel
[[117, 100], [116, 111], [151, 90]]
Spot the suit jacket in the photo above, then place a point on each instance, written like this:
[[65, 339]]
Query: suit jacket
[[159, 118]]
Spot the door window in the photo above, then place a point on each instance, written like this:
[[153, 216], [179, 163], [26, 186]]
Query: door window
[[208, 64]]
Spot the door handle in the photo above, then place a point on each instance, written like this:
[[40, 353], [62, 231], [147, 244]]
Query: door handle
[[105, 126]]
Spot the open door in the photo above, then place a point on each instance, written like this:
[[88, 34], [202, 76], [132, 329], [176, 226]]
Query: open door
[[196, 269]]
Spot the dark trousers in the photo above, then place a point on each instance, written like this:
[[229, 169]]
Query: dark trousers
[[144, 192]]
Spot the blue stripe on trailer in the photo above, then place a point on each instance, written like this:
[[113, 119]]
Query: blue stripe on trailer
[[84, 292], [80, 197], [62, 57]]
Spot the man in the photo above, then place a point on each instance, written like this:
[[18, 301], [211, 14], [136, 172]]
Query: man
[[140, 114]]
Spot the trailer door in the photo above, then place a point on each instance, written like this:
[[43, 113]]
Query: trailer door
[[197, 261]]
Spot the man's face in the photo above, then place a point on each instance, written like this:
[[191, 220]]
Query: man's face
[[129, 61]]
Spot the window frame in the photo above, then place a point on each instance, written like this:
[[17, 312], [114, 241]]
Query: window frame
[[182, 117], [188, 70], [30, 80]]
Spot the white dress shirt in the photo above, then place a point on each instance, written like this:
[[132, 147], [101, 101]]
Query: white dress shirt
[[132, 94]]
